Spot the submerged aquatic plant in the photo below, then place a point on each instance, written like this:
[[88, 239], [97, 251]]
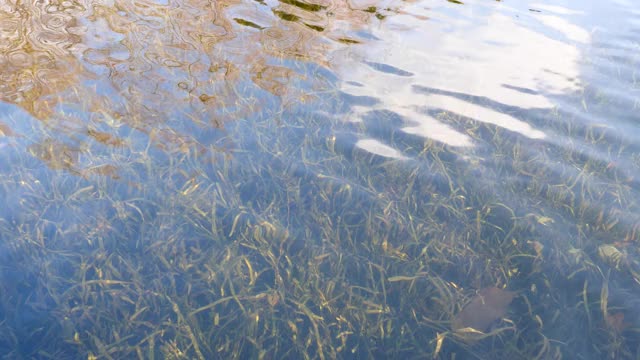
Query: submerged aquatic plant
[[207, 204], [489, 305]]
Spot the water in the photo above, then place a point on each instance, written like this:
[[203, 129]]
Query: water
[[292, 179]]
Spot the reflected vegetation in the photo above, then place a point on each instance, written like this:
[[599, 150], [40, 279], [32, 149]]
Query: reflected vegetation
[[188, 179]]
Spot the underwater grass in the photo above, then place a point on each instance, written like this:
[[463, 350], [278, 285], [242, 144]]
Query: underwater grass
[[260, 256], [280, 238]]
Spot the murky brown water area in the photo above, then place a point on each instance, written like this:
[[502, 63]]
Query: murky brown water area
[[319, 179]]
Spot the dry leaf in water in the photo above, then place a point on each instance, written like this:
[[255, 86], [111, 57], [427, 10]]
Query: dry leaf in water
[[616, 323], [538, 247], [489, 305], [103, 170]]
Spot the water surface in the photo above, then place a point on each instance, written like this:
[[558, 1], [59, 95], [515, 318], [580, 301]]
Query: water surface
[[298, 179]]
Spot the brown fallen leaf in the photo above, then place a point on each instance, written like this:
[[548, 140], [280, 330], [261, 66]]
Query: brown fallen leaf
[[273, 299], [538, 247], [489, 305], [616, 323], [103, 170]]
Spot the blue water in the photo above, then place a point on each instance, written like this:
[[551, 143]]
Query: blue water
[[264, 179]]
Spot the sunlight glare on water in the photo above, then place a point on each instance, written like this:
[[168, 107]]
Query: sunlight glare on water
[[509, 64]]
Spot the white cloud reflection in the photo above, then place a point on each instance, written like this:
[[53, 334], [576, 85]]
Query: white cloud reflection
[[376, 147], [493, 53]]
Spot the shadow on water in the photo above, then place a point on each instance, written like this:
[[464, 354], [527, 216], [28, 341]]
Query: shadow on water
[[296, 179]]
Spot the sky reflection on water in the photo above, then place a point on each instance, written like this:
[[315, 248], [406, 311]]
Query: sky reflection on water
[[508, 64]]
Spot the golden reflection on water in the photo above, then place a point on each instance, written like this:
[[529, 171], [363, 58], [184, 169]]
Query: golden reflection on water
[[35, 61], [155, 66], [186, 51], [146, 63]]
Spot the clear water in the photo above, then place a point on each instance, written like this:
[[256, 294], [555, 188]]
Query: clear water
[[298, 179]]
